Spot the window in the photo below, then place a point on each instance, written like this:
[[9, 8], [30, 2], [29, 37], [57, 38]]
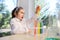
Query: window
[[6, 6], [48, 14]]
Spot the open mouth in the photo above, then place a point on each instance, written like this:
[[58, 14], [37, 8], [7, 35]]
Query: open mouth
[[22, 17]]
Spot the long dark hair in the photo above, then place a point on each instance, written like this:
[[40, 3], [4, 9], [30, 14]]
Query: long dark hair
[[16, 10]]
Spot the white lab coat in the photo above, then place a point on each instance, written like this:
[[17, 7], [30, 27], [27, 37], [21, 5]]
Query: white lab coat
[[18, 26]]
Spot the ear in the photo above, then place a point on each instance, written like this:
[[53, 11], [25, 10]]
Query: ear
[[15, 14]]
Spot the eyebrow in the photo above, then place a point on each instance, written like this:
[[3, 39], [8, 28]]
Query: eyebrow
[[22, 12]]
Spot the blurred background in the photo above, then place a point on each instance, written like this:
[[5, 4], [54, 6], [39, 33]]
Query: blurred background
[[49, 15], [6, 7]]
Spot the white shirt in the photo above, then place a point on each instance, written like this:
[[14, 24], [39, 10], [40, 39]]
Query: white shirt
[[18, 26]]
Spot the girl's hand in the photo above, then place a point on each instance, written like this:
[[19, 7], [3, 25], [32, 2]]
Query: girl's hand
[[29, 31]]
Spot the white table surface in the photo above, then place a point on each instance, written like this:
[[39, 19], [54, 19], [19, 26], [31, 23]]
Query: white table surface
[[20, 37]]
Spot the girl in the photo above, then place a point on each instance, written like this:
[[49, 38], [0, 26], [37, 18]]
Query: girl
[[18, 23]]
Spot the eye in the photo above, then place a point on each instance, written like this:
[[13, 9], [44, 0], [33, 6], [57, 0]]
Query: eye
[[22, 12]]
